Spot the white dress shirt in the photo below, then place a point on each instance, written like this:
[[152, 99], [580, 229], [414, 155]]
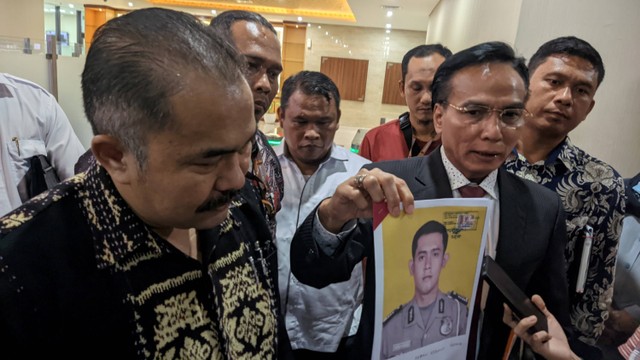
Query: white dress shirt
[[490, 185], [31, 123], [316, 319]]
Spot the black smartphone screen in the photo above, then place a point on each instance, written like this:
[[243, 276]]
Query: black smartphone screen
[[513, 296]]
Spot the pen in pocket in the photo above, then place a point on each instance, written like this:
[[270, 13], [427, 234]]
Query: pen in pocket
[[584, 259]]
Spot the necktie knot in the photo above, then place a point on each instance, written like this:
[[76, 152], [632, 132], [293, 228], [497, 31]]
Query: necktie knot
[[471, 191]]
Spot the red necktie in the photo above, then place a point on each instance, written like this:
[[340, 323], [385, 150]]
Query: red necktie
[[471, 191]]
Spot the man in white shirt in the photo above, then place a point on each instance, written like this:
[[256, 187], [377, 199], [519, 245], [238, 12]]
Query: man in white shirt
[[32, 123], [318, 321]]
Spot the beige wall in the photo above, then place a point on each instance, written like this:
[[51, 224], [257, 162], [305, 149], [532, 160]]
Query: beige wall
[[459, 24], [368, 44], [22, 18], [612, 131]]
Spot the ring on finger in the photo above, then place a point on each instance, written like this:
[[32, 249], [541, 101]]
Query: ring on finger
[[360, 180]]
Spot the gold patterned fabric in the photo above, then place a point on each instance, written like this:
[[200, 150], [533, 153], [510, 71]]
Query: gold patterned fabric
[[78, 270]]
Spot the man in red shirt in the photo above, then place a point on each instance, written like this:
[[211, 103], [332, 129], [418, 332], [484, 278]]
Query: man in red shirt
[[413, 129]]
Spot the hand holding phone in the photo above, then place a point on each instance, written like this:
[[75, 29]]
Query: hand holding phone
[[513, 296]]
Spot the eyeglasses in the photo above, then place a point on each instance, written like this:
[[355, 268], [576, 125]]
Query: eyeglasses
[[474, 114]]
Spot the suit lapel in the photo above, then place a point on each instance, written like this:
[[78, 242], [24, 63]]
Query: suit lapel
[[512, 218], [431, 181]]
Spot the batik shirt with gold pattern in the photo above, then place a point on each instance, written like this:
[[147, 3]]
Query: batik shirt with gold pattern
[[79, 270], [592, 193]]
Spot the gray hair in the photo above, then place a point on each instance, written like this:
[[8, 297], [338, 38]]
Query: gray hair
[[137, 62]]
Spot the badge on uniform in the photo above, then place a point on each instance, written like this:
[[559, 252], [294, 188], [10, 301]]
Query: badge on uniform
[[410, 315], [446, 326]]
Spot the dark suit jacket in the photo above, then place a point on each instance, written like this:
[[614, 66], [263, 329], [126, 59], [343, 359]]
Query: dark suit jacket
[[530, 248]]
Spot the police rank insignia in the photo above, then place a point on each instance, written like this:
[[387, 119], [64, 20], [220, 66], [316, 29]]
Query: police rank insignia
[[446, 326]]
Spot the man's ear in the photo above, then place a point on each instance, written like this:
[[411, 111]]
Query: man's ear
[[401, 88], [411, 267], [445, 259], [280, 116], [593, 103], [438, 113], [113, 157]]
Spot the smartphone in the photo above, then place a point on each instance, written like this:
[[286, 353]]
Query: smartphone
[[519, 303]]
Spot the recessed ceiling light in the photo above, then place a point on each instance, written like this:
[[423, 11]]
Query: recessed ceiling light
[[299, 18], [388, 26], [326, 33], [389, 13], [388, 31], [319, 27], [130, 4], [214, 12], [71, 6]]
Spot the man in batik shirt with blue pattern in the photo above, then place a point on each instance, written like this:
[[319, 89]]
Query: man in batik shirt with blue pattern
[[564, 76]]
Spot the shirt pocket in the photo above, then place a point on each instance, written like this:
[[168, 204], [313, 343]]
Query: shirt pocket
[[20, 151]]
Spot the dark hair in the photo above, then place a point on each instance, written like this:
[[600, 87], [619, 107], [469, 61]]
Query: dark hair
[[429, 228], [138, 61], [310, 83], [223, 22], [489, 52], [569, 45], [422, 51]]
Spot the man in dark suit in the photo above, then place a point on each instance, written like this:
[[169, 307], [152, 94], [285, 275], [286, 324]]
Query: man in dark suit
[[478, 105]]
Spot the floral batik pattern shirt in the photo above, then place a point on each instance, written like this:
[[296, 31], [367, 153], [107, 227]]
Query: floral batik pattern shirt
[[119, 279], [266, 179], [592, 193]]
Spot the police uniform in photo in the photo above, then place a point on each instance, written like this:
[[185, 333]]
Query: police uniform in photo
[[409, 327]]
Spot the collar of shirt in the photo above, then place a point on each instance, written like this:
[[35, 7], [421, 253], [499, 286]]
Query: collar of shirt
[[282, 151], [118, 233], [457, 180], [561, 154]]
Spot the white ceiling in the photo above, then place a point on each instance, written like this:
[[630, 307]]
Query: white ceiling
[[407, 14]]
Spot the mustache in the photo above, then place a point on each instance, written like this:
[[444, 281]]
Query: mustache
[[217, 202]]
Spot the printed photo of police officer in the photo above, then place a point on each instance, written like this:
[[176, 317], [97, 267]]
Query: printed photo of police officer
[[431, 315]]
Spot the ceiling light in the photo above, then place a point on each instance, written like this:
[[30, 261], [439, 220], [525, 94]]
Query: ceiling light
[[326, 33], [319, 27], [299, 18], [130, 4], [389, 13], [388, 26], [213, 12], [71, 6], [388, 31]]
